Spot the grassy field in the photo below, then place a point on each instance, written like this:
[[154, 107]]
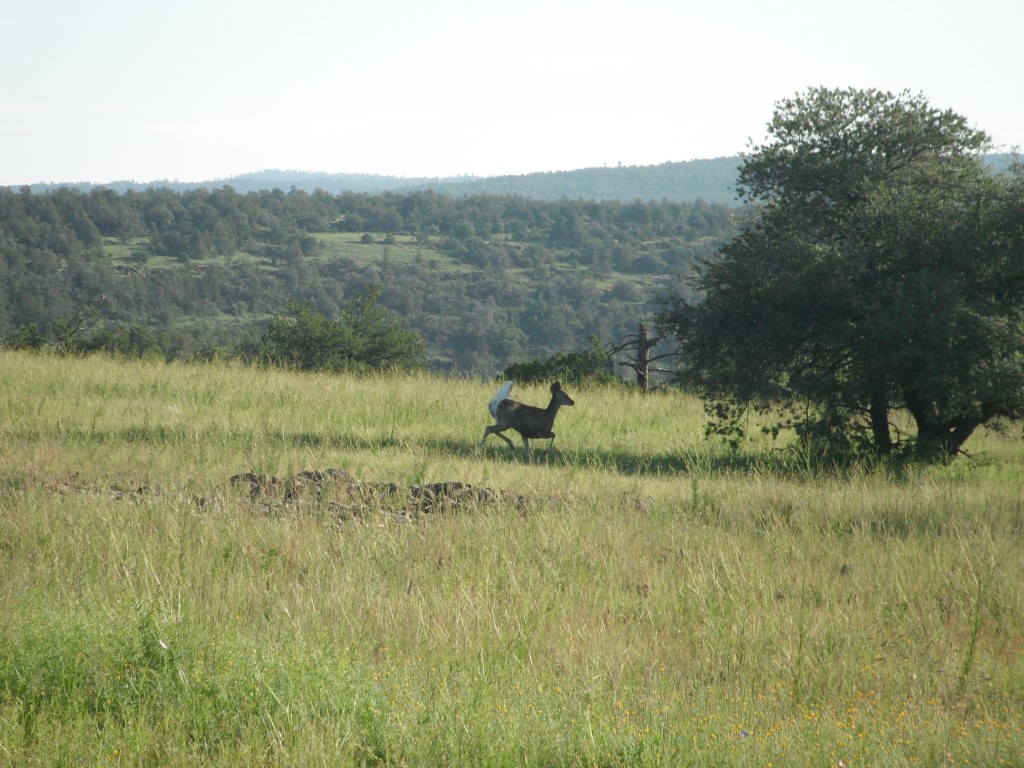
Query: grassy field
[[642, 597]]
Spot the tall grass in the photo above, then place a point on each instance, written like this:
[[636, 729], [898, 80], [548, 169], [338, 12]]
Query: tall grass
[[642, 597]]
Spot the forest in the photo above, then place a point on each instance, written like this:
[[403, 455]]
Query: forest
[[485, 279]]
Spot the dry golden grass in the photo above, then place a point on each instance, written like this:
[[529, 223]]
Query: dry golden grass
[[642, 597]]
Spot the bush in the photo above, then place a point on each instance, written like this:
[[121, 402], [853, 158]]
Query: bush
[[365, 336], [592, 365]]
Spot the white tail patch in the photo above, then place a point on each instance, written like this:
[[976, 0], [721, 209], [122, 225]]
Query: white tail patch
[[501, 394]]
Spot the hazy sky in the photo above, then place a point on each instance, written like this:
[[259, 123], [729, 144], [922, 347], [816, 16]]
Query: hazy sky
[[203, 89]]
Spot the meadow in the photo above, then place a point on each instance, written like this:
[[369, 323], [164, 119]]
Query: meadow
[[643, 596]]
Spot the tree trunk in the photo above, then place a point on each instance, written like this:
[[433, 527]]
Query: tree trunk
[[939, 440], [880, 422], [643, 358]]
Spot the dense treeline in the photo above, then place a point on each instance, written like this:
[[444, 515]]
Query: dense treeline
[[484, 279]]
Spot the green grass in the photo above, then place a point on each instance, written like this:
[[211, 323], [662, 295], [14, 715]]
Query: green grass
[[401, 250], [404, 249], [643, 597], [122, 252]]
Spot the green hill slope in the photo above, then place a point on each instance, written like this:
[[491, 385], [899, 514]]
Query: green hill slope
[[487, 280]]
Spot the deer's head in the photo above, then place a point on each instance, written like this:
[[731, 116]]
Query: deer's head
[[560, 395]]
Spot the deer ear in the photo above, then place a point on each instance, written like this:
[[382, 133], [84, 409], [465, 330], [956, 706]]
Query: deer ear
[[556, 385]]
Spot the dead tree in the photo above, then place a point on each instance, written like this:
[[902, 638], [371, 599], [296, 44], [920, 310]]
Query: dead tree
[[642, 343], [64, 331]]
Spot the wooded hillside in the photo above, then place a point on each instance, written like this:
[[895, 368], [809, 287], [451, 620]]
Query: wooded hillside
[[487, 280]]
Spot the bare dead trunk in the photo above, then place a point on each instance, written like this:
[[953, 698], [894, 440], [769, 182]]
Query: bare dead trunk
[[643, 358]]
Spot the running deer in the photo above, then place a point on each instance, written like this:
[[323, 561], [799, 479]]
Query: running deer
[[529, 421]]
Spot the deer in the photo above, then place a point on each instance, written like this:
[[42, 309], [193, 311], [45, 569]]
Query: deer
[[529, 421]]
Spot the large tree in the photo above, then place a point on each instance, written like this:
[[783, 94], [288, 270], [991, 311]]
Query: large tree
[[882, 269]]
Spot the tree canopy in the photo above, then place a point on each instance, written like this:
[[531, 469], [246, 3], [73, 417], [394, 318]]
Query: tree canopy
[[366, 336], [882, 270]]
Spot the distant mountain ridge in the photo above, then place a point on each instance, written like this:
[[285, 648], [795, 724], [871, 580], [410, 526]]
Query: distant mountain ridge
[[711, 180], [686, 181]]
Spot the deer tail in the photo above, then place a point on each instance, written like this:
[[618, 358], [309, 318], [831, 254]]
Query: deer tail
[[500, 395]]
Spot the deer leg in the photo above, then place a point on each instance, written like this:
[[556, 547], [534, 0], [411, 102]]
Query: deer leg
[[493, 430], [526, 444]]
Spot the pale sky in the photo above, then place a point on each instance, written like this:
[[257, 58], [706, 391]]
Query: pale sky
[[195, 90]]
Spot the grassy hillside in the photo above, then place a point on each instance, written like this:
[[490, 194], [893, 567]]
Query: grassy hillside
[[642, 597]]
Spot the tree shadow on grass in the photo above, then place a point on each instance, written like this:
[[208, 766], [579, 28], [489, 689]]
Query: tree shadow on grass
[[783, 462], [621, 462], [778, 462]]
